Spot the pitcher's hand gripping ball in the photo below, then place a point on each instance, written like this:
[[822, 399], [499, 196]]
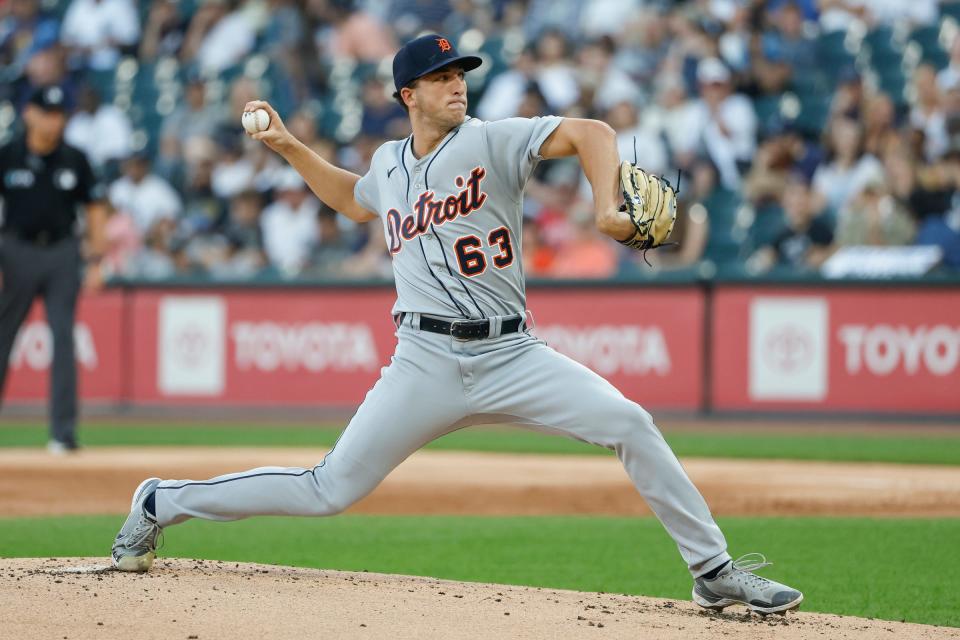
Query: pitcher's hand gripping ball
[[651, 203], [255, 121]]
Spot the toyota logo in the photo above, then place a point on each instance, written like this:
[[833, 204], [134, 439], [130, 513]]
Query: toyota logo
[[788, 348], [190, 345]]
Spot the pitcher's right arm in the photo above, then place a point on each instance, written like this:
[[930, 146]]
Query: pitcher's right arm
[[333, 185]]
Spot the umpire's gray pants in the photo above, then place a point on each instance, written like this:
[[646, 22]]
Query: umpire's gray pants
[[435, 385], [53, 271]]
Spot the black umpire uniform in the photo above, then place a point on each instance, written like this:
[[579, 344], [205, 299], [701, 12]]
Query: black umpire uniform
[[42, 183]]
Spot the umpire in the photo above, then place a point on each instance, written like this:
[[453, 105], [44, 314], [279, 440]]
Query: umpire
[[42, 182]]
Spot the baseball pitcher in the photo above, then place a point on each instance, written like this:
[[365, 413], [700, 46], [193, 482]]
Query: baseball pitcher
[[449, 199]]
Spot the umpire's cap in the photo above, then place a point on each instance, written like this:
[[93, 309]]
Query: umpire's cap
[[425, 54], [52, 98]]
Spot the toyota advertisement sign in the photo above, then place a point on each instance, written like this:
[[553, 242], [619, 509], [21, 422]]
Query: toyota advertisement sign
[[895, 350], [732, 348]]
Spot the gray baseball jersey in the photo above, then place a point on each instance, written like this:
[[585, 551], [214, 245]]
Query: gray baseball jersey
[[452, 218], [452, 221]]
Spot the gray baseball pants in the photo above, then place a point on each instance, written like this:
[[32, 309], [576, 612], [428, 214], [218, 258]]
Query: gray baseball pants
[[436, 384], [53, 272]]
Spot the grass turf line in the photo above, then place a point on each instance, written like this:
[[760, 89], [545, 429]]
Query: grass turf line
[[841, 447], [888, 569]]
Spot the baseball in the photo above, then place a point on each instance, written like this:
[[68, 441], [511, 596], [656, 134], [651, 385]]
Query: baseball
[[255, 121]]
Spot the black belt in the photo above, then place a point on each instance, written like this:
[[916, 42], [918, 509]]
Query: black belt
[[42, 238], [467, 329]]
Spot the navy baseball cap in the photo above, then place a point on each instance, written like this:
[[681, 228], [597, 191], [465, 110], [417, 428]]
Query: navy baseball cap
[[425, 54], [52, 98]]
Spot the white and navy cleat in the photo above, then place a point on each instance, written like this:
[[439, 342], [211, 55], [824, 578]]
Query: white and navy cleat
[[135, 546], [736, 584]]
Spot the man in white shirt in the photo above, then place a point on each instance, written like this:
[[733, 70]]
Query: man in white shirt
[[148, 198], [97, 29], [290, 224], [218, 37], [726, 128], [103, 131]]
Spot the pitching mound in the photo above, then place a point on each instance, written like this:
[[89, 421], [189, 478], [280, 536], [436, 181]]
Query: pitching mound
[[82, 598]]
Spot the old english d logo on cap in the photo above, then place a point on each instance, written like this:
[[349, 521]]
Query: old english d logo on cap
[[444, 44]]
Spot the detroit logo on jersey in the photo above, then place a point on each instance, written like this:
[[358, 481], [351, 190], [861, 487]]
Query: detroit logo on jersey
[[428, 211]]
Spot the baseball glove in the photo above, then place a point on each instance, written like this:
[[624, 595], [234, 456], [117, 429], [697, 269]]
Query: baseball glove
[[651, 202]]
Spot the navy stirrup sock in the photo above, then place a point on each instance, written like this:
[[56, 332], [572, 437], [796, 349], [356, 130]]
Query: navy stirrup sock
[[150, 504]]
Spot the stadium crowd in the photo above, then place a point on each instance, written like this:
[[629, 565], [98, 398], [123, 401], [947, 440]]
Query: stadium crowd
[[800, 126]]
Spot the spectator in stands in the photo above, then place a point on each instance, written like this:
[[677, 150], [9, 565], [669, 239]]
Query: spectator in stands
[[103, 131], [289, 225], [943, 230], [726, 124], [847, 168], [46, 68], [123, 243], [927, 113], [346, 32], [192, 118], [410, 17], [538, 257], [244, 257], [233, 172], [879, 125], [587, 254], [785, 53], [203, 211], [875, 218], [849, 97], [950, 76], [602, 84], [97, 32], [220, 35], [155, 261], [24, 31], [903, 12], [506, 90], [807, 238], [145, 196], [382, 116], [636, 139], [555, 76], [164, 31], [284, 30], [782, 154], [332, 249]]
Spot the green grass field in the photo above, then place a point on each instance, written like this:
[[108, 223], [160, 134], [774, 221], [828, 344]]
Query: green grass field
[[889, 569], [872, 447]]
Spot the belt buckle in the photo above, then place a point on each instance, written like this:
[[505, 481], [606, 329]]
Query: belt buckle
[[464, 323], [453, 330]]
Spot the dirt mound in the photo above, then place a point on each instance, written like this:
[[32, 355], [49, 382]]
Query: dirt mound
[[445, 482], [80, 598]]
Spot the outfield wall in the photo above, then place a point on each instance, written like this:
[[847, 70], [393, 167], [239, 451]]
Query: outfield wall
[[685, 347]]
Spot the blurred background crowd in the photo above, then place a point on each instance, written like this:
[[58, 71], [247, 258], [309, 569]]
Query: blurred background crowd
[[801, 126]]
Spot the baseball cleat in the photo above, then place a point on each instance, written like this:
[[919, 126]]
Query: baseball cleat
[[62, 447], [135, 546], [736, 584]]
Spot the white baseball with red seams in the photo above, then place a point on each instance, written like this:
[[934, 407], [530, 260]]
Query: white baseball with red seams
[[255, 121]]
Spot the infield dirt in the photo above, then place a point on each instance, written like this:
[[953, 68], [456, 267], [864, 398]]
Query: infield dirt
[[206, 600], [438, 482]]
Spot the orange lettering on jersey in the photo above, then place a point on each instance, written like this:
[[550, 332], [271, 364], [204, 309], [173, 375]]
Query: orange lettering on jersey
[[444, 44], [429, 211]]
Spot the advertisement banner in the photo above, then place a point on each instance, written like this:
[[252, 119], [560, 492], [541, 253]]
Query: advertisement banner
[[98, 334], [647, 342], [326, 347], [895, 350]]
